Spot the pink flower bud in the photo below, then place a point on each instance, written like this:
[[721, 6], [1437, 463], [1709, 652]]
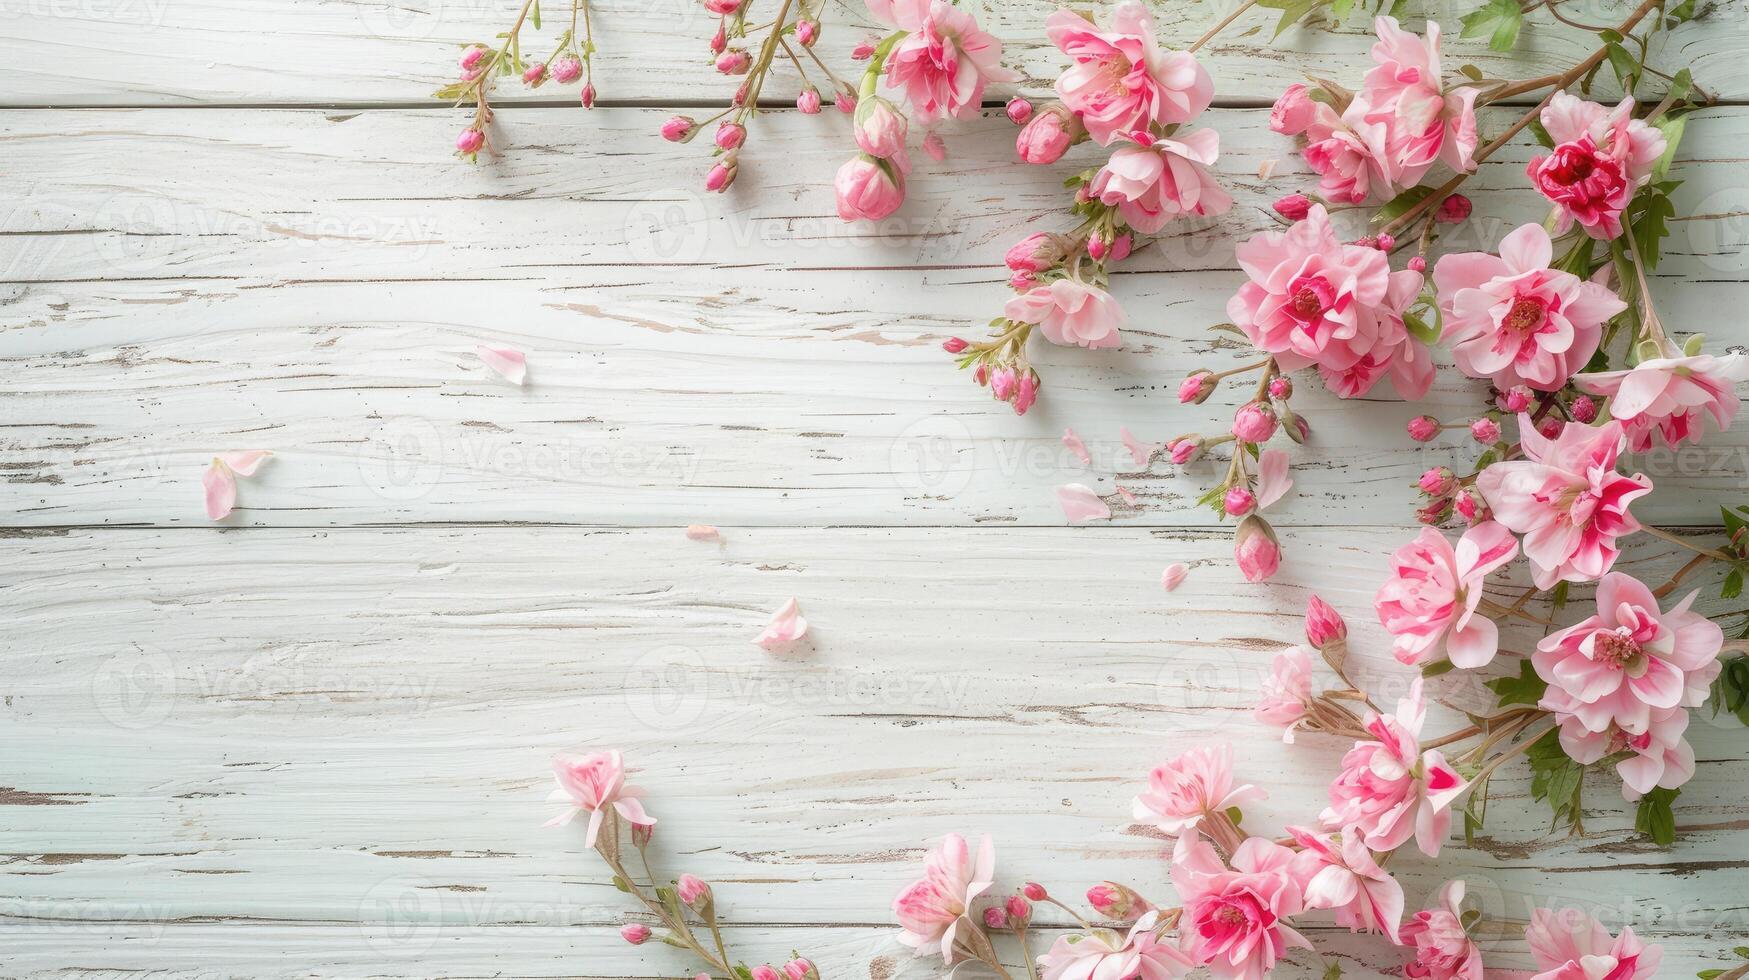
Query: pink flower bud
[[1034, 253], [678, 129], [587, 96], [879, 128], [1096, 248], [1120, 248], [720, 39], [867, 189], [693, 891], [1454, 209], [954, 345], [1184, 450], [1385, 242], [1255, 549], [1197, 387], [722, 8], [641, 834], [1367, 241], [1003, 383], [721, 175], [1298, 429], [1438, 481], [1281, 388], [1516, 399], [1027, 392], [1434, 513], [1034, 891], [1293, 112], [1019, 910], [1115, 901], [1254, 422], [1470, 505], [535, 74], [471, 57], [809, 101], [1422, 428], [1551, 427], [844, 101], [1020, 282], [1293, 207], [995, 917], [470, 141], [567, 69], [981, 374], [1019, 111], [730, 135], [1240, 502], [807, 32], [1584, 410], [635, 933], [1485, 431], [1324, 624], [764, 972], [800, 969], [1047, 135], [734, 61], [864, 49], [1417, 264]]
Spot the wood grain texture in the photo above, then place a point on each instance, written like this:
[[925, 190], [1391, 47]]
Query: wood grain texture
[[369, 52], [311, 284], [339, 737]]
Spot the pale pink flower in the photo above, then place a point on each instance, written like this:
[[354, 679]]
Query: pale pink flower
[[868, 189], [1431, 597], [1197, 784], [1512, 319], [1601, 157], [1287, 690], [1422, 122], [945, 60], [1151, 185], [1047, 135], [1389, 789], [1292, 113], [1070, 312], [1337, 871], [591, 784], [1567, 944], [1443, 949], [1630, 659], [1666, 396], [785, 627], [220, 480], [1235, 919], [932, 908], [1658, 757], [1104, 954], [1120, 80], [1567, 499], [879, 128], [1346, 152]]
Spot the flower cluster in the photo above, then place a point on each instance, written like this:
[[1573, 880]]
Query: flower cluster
[[481, 64]]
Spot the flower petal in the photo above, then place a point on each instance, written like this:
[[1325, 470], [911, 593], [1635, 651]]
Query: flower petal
[[786, 627], [221, 490], [509, 363], [1081, 504], [1076, 446], [1272, 478], [703, 532], [245, 463], [1173, 576]]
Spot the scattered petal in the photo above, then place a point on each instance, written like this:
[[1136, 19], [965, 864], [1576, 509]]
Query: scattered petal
[[702, 532], [245, 463], [1128, 497], [935, 146], [509, 363], [786, 627], [1076, 446], [1266, 170], [221, 490], [1173, 576], [1139, 451], [1272, 478], [1081, 504]]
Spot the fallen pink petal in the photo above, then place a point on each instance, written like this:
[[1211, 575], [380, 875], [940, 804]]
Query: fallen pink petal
[[1173, 576], [245, 463], [1140, 451], [1128, 496], [1080, 504], [1076, 446], [221, 490], [1272, 478], [507, 362], [703, 532], [786, 627]]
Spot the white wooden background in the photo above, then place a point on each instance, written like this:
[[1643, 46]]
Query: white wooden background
[[314, 741]]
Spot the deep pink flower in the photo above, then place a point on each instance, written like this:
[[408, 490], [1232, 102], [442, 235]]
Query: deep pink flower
[[1431, 597], [1254, 422], [1070, 312], [1235, 919], [1422, 123], [1292, 113], [1197, 784], [1047, 135], [1324, 625], [1567, 499], [1656, 757], [1120, 80], [1389, 789], [868, 188], [1601, 157], [1443, 949], [1337, 871], [1346, 152], [1151, 185], [945, 60], [1105, 953], [592, 783], [1567, 944], [932, 908], [1287, 689], [1630, 659], [1513, 320], [1665, 397], [1293, 207], [1423, 428]]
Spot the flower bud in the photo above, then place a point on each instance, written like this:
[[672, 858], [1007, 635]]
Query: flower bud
[[1281, 388], [567, 69], [470, 141], [635, 933], [1293, 112], [868, 189], [995, 917], [693, 892], [1417, 264], [641, 834], [1096, 248], [954, 345], [764, 971], [807, 32], [1324, 625], [1384, 242], [1027, 391], [1294, 207], [800, 969], [1516, 399], [1254, 422], [734, 61], [1035, 253], [1551, 427], [1422, 428], [1240, 501], [879, 128], [722, 8], [1184, 450], [1470, 506], [678, 129], [1255, 549], [722, 175], [730, 135], [719, 40], [1454, 209], [1438, 481], [1584, 410], [864, 49], [844, 100], [981, 374], [471, 57], [1034, 891], [1019, 111], [1047, 135], [587, 96], [1019, 911], [1003, 383], [535, 74], [809, 101], [1115, 901], [1197, 387], [1120, 248]]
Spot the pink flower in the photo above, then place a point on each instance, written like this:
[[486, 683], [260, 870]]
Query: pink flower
[[945, 60], [692, 890], [1431, 597], [1600, 158], [1312, 300], [1657, 757], [593, 783], [1630, 659], [879, 128], [1665, 396], [1485, 431], [734, 61], [1292, 113], [1235, 920], [1047, 135], [1185, 450], [807, 32], [1070, 312], [1390, 790], [1287, 689], [1338, 872], [1120, 80], [931, 909], [1443, 950], [1019, 110], [1422, 124], [1423, 428], [1254, 422], [1569, 945], [1151, 185], [1035, 253], [1512, 319], [1346, 153], [1115, 901], [1103, 953], [722, 174], [809, 101], [1567, 499], [730, 135], [1197, 784], [1324, 625], [1454, 209], [1255, 549], [1240, 501], [470, 141], [868, 189], [567, 69], [1293, 207]]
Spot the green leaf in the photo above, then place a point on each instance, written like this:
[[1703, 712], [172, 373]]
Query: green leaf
[[1556, 779], [534, 15], [1627, 70], [1399, 205], [1292, 11], [1498, 21], [1672, 130], [1420, 329], [1526, 688], [1655, 819], [1733, 586], [1438, 667], [1541, 134], [1730, 690]]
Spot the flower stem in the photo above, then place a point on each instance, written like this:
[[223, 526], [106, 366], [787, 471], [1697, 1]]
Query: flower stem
[[1678, 539], [1218, 28]]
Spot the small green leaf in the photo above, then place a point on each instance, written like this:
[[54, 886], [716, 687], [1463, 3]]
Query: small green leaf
[[1733, 586], [1541, 134], [1655, 818], [1399, 205], [1526, 688], [1438, 667], [1498, 21]]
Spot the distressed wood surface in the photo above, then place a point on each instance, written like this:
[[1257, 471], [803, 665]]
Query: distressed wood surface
[[190, 746]]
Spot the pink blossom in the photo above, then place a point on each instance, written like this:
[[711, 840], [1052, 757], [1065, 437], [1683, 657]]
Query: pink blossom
[[1423, 428], [1630, 659], [730, 135], [1287, 690], [1120, 80], [1485, 431], [868, 189], [1338, 872], [1346, 152], [1197, 784], [1665, 397], [471, 57], [1390, 790], [1151, 185], [1115, 901], [1313, 300], [1254, 422], [734, 61], [809, 101], [1070, 312], [945, 59], [1104, 953], [1657, 757], [1567, 499], [1035, 253], [807, 32], [1324, 625], [1255, 549], [1569, 945], [470, 141], [1601, 157], [1047, 135], [693, 890], [1293, 207], [1240, 501], [1235, 919], [1431, 596], [1019, 910], [1422, 123], [1443, 949], [1184, 450], [1512, 319], [1019, 110], [678, 129], [721, 174], [1196, 387], [932, 908], [1292, 113], [593, 783], [800, 969], [785, 627]]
